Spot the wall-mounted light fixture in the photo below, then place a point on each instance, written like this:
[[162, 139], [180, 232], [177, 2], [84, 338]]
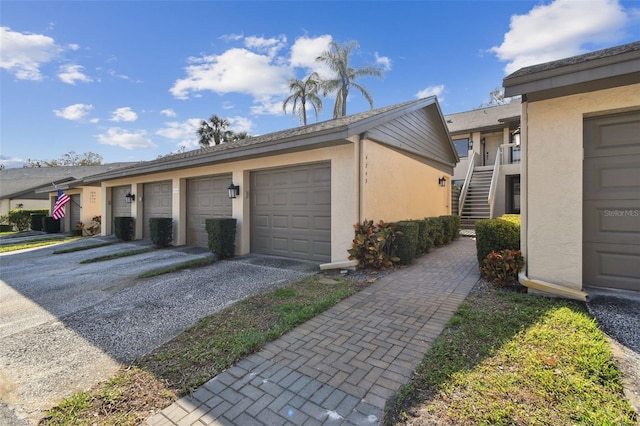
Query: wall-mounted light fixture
[[482, 141], [20, 206], [442, 181], [515, 136], [234, 190], [130, 198], [470, 144]]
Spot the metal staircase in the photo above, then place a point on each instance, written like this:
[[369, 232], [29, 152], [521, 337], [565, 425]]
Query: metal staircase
[[476, 204]]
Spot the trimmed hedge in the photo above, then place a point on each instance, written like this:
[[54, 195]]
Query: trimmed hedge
[[406, 240], [21, 218], [161, 230], [37, 221], [222, 236], [435, 229], [496, 235], [123, 227], [423, 238], [50, 225]]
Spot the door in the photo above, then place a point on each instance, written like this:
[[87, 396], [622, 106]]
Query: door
[[74, 211], [611, 201], [291, 212], [156, 202], [207, 197], [119, 205]]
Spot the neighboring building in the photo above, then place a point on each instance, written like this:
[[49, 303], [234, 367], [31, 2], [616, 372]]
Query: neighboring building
[[486, 187], [30, 188], [581, 171], [300, 190]]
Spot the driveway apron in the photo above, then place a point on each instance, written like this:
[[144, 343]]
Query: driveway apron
[[342, 366]]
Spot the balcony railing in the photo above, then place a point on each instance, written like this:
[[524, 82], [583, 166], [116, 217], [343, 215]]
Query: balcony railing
[[502, 152]]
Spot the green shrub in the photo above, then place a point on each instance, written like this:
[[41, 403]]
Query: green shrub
[[36, 221], [21, 218], [6, 228], [447, 228], [513, 218], [123, 227], [435, 230], [373, 245], [457, 225], [423, 238], [496, 235], [222, 236], [161, 230], [50, 225], [406, 241], [502, 267]]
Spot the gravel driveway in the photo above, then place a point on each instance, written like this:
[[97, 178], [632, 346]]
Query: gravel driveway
[[66, 326]]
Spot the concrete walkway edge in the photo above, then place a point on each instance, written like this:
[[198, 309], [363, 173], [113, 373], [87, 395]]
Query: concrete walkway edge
[[341, 367]]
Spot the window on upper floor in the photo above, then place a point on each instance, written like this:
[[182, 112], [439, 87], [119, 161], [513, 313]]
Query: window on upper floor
[[462, 146]]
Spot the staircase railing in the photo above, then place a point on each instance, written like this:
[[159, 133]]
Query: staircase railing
[[496, 176], [467, 180]]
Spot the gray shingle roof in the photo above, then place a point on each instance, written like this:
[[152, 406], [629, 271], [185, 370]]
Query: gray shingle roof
[[483, 118]]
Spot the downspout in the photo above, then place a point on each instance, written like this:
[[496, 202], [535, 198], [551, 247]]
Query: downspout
[[537, 285]]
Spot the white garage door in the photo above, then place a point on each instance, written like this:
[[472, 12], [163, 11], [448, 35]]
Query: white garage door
[[74, 211], [156, 202], [291, 212], [611, 206], [207, 197], [119, 205]]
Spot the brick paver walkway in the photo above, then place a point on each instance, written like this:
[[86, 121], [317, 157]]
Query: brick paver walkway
[[342, 366]]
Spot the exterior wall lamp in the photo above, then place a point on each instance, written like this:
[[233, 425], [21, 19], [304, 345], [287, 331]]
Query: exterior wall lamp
[[442, 181], [516, 136], [234, 190], [130, 198], [470, 144]]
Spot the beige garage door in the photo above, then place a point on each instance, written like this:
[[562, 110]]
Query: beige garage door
[[156, 202], [611, 206], [74, 211], [207, 197], [291, 212], [119, 205]]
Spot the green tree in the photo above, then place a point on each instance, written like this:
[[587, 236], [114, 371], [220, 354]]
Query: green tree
[[212, 130], [68, 159], [337, 59], [304, 91]]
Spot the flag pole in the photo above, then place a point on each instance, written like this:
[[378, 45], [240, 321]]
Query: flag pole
[[70, 199]]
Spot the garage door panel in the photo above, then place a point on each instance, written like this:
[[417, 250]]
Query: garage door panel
[[611, 201], [157, 199], [207, 197], [293, 201]]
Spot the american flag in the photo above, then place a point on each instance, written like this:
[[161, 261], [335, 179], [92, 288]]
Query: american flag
[[58, 207]]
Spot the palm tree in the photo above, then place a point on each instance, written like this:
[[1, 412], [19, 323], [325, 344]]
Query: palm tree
[[213, 130], [337, 59], [304, 91]]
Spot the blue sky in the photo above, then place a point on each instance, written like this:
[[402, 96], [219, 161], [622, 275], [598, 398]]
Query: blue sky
[[131, 80]]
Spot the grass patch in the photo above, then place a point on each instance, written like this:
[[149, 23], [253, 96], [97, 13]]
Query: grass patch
[[89, 247], [180, 266], [5, 248], [117, 255], [511, 359], [212, 345]]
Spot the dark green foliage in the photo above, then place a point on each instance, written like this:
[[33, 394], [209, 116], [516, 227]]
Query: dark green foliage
[[435, 230], [456, 226], [406, 240], [21, 218], [37, 221], [50, 225], [6, 228], [502, 267], [161, 230], [222, 236], [76, 232], [123, 227], [447, 229], [373, 245], [423, 238], [496, 235]]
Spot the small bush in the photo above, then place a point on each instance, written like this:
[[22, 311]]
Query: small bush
[[161, 230], [496, 235], [436, 231], [50, 225], [6, 228], [36, 221], [423, 238], [222, 236], [513, 218], [21, 218], [502, 267], [406, 241], [123, 227], [447, 228], [373, 245]]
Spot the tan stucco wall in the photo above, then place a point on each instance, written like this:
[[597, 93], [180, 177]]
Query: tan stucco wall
[[396, 187], [344, 199], [553, 152], [6, 205], [90, 202]]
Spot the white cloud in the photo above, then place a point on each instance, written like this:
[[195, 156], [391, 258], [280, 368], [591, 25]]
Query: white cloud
[[168, 112], [231, 37], [236, 70], [11, 162], [269, 45], [184, 132], [74, 112], [305, 50], [71, 73], [267, 105], [23, 54], [240, 124], [432, 91], [383, 61], [561, 29], [116, 136], [123, 114]]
